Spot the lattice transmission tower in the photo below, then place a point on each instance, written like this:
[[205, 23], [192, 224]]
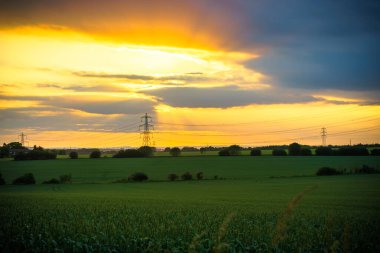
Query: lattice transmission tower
[[324, 136], [22, 139], [145, 130]]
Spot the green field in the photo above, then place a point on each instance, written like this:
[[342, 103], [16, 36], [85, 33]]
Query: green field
[[264, 204]]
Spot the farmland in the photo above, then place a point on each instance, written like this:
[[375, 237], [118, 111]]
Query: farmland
[[262, 204]]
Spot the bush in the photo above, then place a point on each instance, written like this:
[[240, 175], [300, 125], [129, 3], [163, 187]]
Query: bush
[[324, 151], [172, 177], [35, 154], [65, 179], [175, 151], [187, 176], [28, 178], [305, 152], [146, 151], [199, 175], [51, 181], [73, 155], [128, 153], [365, 169], [224, 152], [2, 181], [294, 149], [352, 151], [279, 152], [138, 177], [327, 171], [375, 151], [256, 152], [95, 154]]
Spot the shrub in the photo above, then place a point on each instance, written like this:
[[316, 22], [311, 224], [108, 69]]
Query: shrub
[[28, 178], [187, 176], [95, 154], [35, 154], [294, 149], [365, 169], [138, 177], [63, 179], [128, 153], [305, 152], [73, 155], [146, 151], [353, 151], [21, 156], [175, 151], [2, 181], [172, 177], [256, 152], [375, 151], [279, 152], [327, 171], [324, 151], [224, 152], [51, 181], [199, 175]]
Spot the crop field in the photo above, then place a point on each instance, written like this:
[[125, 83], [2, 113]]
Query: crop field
[[261, 204]]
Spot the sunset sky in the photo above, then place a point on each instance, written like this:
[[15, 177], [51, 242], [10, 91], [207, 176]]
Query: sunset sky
[[209, 72]]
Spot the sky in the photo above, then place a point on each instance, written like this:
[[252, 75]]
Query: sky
[[208, 72]]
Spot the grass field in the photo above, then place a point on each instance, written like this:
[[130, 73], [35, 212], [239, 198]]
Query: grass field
[[265, 204]]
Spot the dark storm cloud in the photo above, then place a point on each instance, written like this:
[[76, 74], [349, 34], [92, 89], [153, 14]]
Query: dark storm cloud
[[318, 44], [130, 106], [31, 118], [89, 104], [224, 97]]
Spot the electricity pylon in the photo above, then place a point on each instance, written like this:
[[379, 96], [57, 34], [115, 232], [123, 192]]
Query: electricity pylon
[[324, 136], [146, 127], [22, 139]]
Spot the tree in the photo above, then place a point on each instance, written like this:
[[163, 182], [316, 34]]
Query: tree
[[175, 151], [128, 153], [6, 149], [189, 149], [146, 151], [172, 177], [294, 149], [28, 178], [235, 149], [35, 154], [73, 155], [167, 149], [279, 152], [95, 154], [187, 176], [199, 175], [256, 152]]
